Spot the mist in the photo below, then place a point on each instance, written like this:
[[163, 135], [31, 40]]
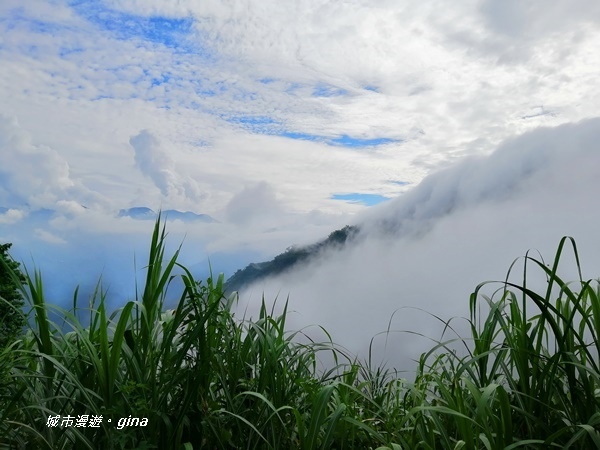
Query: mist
[[422, 254]]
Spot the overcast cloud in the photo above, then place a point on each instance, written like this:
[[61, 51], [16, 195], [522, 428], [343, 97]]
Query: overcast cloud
[[286, 120]]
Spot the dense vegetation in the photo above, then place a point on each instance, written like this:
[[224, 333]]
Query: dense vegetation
[[205, 378], [289, 259], [11, 300]]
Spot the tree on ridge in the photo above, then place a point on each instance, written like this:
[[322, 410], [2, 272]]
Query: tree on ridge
[[12, 320]]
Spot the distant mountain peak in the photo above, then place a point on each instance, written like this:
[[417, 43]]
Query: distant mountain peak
[[138, 212], [145, 213]]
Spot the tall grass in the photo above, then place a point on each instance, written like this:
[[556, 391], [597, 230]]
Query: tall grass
[[205, 378]]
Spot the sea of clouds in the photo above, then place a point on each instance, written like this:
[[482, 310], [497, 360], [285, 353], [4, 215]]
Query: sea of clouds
[[423, 254]]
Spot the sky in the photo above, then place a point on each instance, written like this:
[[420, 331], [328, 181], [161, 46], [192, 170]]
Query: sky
[[469, 127]]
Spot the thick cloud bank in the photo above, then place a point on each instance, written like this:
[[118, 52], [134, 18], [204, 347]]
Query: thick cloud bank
[[432, 246]]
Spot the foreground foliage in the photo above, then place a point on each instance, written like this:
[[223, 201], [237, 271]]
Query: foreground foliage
[[206, 379], [11, 300]]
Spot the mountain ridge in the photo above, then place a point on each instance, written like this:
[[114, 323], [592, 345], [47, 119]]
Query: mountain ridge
[[292, 257], [145, 213]]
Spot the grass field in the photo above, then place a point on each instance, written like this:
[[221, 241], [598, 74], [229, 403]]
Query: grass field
[[198, 377]]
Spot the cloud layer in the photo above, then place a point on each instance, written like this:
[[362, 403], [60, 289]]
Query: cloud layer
[[430, 248]]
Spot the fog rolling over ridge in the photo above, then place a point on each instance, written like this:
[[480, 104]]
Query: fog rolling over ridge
[[431, 247]]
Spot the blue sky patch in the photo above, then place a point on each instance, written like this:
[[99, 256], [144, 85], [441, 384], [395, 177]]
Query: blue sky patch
[[348, 141], [323, 90], [253, 120], [253, 123], [167, 31], [343, 140], [399, 183], [365, 199], [161, 79], [303, 136]]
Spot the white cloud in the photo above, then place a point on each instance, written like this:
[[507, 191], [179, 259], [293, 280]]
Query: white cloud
[[459, 227], [70, 208], [536, 19], [83, 90], [156, 163], [254, 202], [12, 216], [35, 174], [49, 237]]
